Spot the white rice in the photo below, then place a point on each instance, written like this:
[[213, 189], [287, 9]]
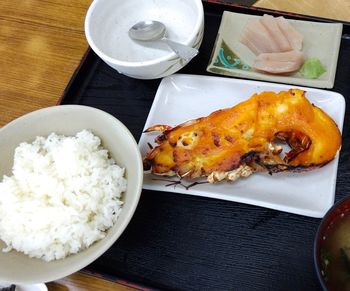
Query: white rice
[[64, 194]]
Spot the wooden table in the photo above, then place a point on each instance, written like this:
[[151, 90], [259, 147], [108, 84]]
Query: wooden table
[[334, 9], [42, 43]]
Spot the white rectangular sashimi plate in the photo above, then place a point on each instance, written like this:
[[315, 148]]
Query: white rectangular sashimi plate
[[183, 97]]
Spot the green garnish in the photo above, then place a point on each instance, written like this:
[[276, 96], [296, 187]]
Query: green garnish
[[312, 68]]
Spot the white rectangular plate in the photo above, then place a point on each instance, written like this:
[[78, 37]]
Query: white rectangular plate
[[231, 58], [183, 97]]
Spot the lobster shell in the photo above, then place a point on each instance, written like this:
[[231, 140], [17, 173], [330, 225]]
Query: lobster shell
[[246, 138]]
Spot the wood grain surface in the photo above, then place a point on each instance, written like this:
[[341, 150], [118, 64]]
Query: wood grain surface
[[41, 44], [333, 9], [82, 282]]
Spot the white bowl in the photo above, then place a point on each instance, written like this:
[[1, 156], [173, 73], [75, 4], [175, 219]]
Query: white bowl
[[18, 268], [107, 23]]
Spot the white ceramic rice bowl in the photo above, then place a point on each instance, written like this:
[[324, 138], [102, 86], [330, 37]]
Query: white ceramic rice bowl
[[18, 268], [108, 21]]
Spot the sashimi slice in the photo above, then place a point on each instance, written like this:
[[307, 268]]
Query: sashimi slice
[[251, 44], [256, 37], [294, 37], [282, 57], [272, 27], [275, 67], [278, 63]]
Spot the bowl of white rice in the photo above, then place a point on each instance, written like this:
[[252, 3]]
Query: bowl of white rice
[[70, 181]]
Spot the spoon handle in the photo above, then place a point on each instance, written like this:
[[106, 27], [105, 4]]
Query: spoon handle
[[184, 52]]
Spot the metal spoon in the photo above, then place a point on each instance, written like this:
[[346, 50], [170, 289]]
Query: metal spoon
[[151, 30]]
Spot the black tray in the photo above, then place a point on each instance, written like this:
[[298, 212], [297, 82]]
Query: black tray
[[187, 242]]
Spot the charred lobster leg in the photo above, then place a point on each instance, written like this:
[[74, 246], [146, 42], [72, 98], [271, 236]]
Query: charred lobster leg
[[298, 142]]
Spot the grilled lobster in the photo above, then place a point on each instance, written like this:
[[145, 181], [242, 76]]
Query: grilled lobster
[[247, 138]]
